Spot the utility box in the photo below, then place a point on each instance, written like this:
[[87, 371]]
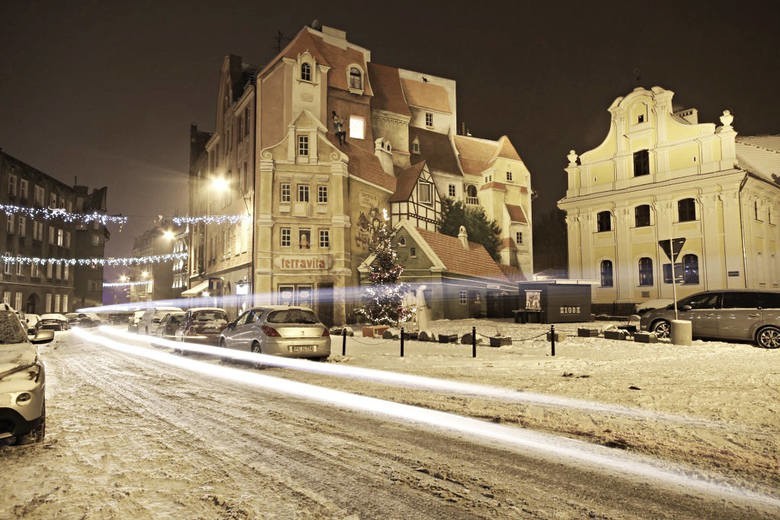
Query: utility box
[[557, 301]]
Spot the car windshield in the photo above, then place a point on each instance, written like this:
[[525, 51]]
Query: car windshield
[[211, 316], [11, 330], [292, 316]]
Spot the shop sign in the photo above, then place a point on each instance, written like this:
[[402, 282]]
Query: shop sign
[[303, 263]]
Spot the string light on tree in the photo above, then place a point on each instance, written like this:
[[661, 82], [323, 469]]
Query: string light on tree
[[61, 214], [211, 219], [94, 262]]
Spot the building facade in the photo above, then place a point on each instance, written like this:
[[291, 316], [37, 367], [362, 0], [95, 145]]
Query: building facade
[[41, 287], [339, 140], [661, 175]]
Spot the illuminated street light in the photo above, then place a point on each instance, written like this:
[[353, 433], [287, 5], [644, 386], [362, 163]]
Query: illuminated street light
[[220, 184], [168, 234]]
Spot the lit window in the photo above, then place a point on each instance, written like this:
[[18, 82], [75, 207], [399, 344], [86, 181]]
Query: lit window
[[686, 210], [642, 215], [357, 127], [285, 237], [322, 194], [425, 192], [606, 273], [303, 193], [285, 192], [355, 78], [324, 239], [604, 221], [451, 190], [303, 145], [428, 119], [641, 163], [60, 237], [645, 271], [22, 226], [306, 72]]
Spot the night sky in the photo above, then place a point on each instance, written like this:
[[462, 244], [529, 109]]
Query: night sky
[[105, 91]]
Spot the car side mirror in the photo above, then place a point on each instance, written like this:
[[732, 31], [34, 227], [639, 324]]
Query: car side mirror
[[686, 307], [42, 336]]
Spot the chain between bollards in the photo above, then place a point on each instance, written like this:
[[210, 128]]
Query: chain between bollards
[[344, 341], [552, 339], [473, 342], [402, 342]]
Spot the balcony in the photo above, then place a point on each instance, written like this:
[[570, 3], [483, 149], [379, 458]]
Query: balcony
[[472, 201]]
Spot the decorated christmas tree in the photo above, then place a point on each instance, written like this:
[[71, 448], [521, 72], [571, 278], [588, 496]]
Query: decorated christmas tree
[[383, 299]]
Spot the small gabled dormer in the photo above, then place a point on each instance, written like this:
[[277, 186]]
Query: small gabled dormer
[[384, 152]]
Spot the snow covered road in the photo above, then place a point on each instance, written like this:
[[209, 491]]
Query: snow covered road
[[132, 437]]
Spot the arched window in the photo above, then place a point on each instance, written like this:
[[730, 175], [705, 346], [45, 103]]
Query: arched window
[[305, 72], [606, 273], [645, 271], [355, 78], [642, 215], [690, 268], [603, 221], [686, 210]]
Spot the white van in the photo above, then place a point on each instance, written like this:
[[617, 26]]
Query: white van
[[152, 317]]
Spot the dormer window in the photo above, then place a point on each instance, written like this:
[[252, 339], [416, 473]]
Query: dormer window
[[415, 146], [509, 176], [303, 145], [305, 72], [640, 119], [355, 78], [428, 119]]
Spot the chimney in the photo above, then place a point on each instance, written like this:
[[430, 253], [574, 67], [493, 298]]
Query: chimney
[[463, 237], [384, 152]]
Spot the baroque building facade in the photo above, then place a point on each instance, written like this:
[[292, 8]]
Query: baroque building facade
[[660, 175], [47, 287], [338, 142]]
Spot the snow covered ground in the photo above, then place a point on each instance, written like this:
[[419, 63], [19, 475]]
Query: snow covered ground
[[121, 442]]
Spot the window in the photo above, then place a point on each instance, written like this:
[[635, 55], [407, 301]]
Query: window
[[57, 302], [463, 297], [357, 127], [49, 271], [58, 272], [604, 221], [18, 302], [284, 190], [642, 215], [425, 191], [428, 119], [39, 194], [756, 210], [413, 252], [10, 224], [305, 72], [415, 146], [8, 268], [303, 193], [52, 200], [52, 229], [24, 189], [640, 118], [64, 303], [66, 272], [686, 210], [12, 185], [322, 194], [509, 176], [606, 273], [324, 239], [304, 238], [451, 190], [355, 78], [645, 271], [22, 226], [303, 145], [95, 239], [20, 270], [48, 302], [34, 271], [7, 297], [37, 230], [60, 237], [519, 237], [690, 268], [740, 300], [641, 163], [402, 241], [285, 237], [67, 239]]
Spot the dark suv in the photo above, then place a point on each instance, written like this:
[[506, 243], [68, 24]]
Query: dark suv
[[728, 314]]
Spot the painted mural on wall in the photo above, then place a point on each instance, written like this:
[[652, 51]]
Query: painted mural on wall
[[367, 224]]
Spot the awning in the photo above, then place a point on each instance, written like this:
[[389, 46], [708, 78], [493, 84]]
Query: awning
[[195, 291]]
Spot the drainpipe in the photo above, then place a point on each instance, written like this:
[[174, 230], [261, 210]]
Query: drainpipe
[[742, 229]]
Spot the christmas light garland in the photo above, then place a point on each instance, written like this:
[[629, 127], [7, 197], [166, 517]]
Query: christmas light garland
[[61, 214], [111, 261], [211, 219], [125, 284]]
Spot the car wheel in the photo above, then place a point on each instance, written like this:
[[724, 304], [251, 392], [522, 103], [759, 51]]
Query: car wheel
[[35, 435], [768, 337], [256, 347], [662, 328]]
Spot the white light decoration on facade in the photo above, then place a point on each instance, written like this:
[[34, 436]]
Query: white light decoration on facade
[[61, 214], [124, 284], [138, 260], [211, 219]]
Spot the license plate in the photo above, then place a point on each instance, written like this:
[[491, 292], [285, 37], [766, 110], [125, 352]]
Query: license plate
[[302, 348]]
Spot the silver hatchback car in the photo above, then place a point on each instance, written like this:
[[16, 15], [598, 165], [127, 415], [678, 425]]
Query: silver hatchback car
[[728, 314], [22, 382], [278, 330]]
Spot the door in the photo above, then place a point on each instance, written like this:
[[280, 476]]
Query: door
[[325, 303], [740, 314], [239, 337], [703, 311]]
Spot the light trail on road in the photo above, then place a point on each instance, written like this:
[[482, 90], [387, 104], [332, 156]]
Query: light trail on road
[[562, 449], [409, 380]]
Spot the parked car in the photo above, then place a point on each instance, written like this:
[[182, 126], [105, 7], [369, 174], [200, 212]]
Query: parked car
[[134, 321], [152, 317], [82, 319], [202, 325], [22, 381], [169, 324], [279, 330], [729, 314], [31, 320], [53, 321]]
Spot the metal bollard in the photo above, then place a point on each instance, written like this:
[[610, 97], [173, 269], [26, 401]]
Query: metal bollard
[[473, 342], [344, 341], [402, 342], [552, 339]]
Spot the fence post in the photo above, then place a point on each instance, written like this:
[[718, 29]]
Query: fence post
[[552, 339], [344, 341], [402, 342], [473, 342]]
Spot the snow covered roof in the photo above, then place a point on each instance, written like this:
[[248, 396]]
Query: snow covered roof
[[760, 155]]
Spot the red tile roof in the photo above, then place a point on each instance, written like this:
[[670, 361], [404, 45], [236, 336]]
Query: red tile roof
[[436, 149], [515, 274], [364, 165], [477, 155], [426, 95], [516, 214], [472, 262], [389, 95], [406, 181]]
